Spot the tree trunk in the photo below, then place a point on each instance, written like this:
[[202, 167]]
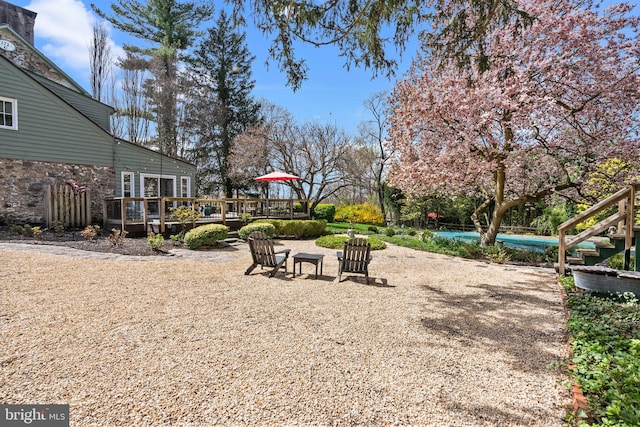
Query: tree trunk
[[379, 189], [488, 237]]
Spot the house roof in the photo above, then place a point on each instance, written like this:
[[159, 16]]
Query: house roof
[[57, 93]]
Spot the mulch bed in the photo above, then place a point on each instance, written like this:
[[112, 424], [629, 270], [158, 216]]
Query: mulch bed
[[73, 239]]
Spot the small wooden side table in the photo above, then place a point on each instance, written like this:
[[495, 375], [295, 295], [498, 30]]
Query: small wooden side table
[[314, 259]]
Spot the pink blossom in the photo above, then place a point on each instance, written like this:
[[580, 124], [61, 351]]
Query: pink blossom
[[559, 98]]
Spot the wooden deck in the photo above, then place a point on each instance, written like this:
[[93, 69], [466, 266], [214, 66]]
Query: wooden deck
[[141, 215]]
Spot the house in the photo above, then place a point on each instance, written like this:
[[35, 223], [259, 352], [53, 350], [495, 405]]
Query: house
[[53, 132]]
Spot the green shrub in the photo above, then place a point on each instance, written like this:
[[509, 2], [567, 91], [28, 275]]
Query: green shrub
[[178, 237], [373, 229], [265, 227], [361, 214], [337, 242], [470, 250], [37, 232], [185, 215], [205, 235], [155, 241], [617, 261], [528, 256], [326, 211], [293, 228], [377, 244], [551, 254], [315, 228], [411, 231], [277, 223], [547, 223], [441, 245], [28, 230], [296, 228], [389, 232], [497, 254], [605, 349], [332, 230], [426, 235], [245, 218], [303, 228]]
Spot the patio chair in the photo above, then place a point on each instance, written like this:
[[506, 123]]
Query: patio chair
[[264, 255], [355, 258]]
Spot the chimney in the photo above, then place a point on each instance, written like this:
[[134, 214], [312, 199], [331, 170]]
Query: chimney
[[19, 19]]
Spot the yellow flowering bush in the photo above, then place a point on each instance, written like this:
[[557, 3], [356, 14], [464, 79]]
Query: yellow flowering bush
[[365, 213]]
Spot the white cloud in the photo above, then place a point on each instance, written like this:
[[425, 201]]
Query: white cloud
[[66, 27], [63, 29]]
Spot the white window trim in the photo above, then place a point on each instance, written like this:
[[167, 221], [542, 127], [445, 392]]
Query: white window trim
[[132, 183], [14, 112], [188, 178], [153, 175]]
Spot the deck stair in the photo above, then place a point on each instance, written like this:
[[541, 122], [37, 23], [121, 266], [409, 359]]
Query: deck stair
[[607, 242], [605, 248]]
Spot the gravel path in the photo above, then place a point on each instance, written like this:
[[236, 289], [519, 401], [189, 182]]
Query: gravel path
[[178, 341]]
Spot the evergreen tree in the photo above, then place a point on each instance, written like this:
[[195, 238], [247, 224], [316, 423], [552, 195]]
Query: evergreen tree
[[221, 107], [170, 27], [366, 32]]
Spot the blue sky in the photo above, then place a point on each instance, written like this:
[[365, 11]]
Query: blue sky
[[63, 33]]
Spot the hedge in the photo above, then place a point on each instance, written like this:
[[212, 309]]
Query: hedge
[[268, 229], [337, 242], [324, 211], [205, 235], [296, 228]]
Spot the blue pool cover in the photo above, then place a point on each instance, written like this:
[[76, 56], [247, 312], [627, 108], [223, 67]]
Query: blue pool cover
[[529, 243]]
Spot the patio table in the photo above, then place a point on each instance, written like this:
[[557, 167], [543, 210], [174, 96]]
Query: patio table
[[314, 259]]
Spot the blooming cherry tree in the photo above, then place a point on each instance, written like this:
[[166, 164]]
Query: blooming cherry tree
[[537, 109]]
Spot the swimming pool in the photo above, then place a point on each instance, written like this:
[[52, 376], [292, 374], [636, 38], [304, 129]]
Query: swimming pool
[[528, 243]]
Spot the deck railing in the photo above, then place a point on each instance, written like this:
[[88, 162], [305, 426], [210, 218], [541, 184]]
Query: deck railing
[[157, 210], [623, 219]]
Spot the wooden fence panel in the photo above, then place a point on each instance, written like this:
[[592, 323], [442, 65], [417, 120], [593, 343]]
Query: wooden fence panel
[[64, 206]]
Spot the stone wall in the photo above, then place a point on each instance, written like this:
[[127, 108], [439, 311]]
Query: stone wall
[[23, 185], [29, 60]]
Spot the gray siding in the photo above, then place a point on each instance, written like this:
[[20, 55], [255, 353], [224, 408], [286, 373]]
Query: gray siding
[[48, 128], [51, 130], [95, 110], [139, 160]]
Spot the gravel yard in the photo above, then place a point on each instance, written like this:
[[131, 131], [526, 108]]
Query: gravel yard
[[435, 341]]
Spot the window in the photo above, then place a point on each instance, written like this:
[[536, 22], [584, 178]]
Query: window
[[127, 184], [8, 113], [157, 186], [185, 186]]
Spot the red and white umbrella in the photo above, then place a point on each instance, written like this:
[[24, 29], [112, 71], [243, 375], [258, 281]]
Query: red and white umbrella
[[277, 176]]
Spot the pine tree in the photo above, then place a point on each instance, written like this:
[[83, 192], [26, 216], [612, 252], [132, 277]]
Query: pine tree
[[221, 106], [170, 27]]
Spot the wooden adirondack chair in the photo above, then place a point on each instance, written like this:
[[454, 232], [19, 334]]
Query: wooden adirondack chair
[[355, 258], [264, 255]]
